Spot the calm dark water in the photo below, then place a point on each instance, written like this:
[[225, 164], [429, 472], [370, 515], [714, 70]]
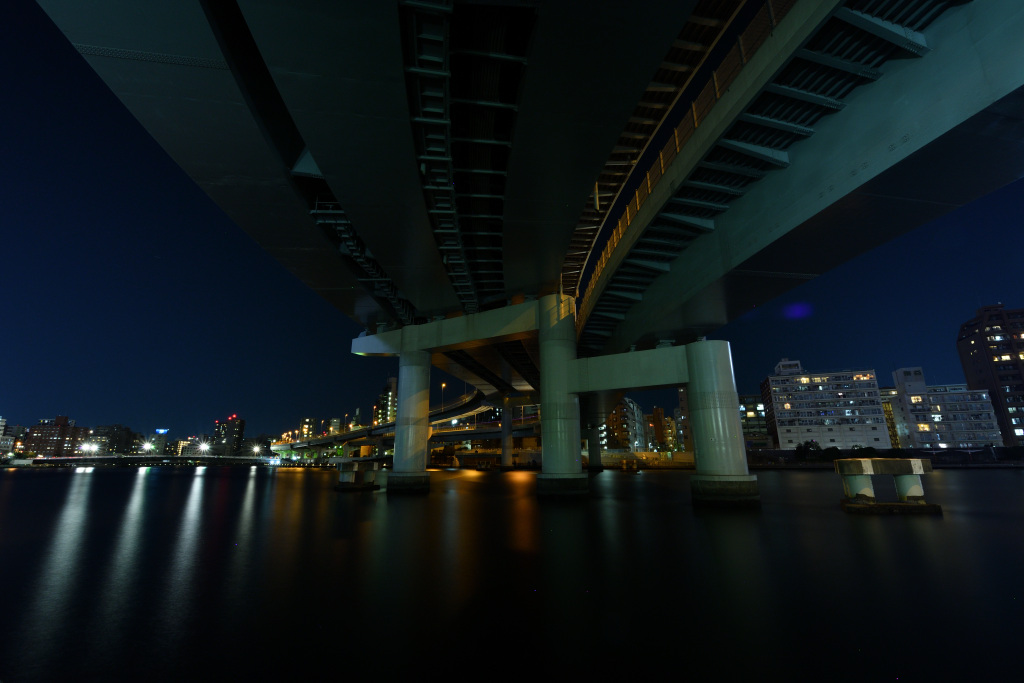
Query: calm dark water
[[174, 574]]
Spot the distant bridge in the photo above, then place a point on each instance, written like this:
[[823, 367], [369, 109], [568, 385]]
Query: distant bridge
[[462, 409]]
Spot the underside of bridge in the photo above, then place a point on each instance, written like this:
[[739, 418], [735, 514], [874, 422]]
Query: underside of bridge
[[563, 180], [408, 160]]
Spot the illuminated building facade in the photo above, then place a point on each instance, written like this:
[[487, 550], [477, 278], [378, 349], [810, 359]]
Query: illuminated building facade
[[227, 435], [114, 438], [6, 440], [624, 427], [944, 416], [387, 403], [55, 437], [684, 435], [754, 421], [841, 409], [991, 348], [158, 441]]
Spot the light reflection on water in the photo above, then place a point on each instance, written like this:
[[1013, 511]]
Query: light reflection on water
[[173, 573], [115, 581], [61, 572]]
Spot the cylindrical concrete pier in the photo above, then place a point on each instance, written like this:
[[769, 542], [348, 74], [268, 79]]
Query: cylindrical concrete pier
[[860, 488], [908, 488], [561, 464], [594, 447], [412, 425], [722, 476]]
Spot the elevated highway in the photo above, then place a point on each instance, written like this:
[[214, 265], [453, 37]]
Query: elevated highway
[[521, 193]]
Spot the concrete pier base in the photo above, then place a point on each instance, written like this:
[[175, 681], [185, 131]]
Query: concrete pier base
[[725, 490], [859, 488], [360, 476], [722, 477], [403, 483], [908, 488]]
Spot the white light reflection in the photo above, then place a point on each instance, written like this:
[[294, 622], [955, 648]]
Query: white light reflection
[[236, 583], [181, 575], [120, 574], [60, 571]]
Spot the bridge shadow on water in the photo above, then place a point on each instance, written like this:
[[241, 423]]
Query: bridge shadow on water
[[175, 573]]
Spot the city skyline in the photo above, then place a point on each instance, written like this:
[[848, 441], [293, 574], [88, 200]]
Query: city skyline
[[134, 299]]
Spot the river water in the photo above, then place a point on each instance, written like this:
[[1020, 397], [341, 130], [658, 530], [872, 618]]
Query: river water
[[182, 573]]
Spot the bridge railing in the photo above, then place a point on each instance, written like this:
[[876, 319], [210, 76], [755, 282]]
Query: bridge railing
[[485, 426], [753, 36]]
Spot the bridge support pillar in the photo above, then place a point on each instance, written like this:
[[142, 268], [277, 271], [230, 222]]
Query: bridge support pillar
[[594, 447], [412, 425], [507, 447], [722, 477], [561, 464]]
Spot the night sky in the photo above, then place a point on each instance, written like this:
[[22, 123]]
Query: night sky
[[130, 298]]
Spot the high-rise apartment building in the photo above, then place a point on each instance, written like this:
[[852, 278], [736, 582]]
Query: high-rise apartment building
[[944, 416], [114, 438], [754, 422], [684, 435], [385, 410], [56, 436], [991, 348], [624, 427], [841, 409], [6, 441], [228, 435]]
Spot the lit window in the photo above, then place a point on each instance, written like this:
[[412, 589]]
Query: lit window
[[924, 427], [915, 399], [804, 380], [786, 406]]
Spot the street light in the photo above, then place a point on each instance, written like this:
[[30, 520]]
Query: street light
[[443, 385], [147, 447], [256, 449], [204, 447]]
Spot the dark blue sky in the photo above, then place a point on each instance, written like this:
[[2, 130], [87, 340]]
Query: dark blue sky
[[129, 297]]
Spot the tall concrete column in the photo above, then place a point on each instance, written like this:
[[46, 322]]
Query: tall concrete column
[[412, 425], [722, 476], [561, 464], [507, 447], [594, 446]]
